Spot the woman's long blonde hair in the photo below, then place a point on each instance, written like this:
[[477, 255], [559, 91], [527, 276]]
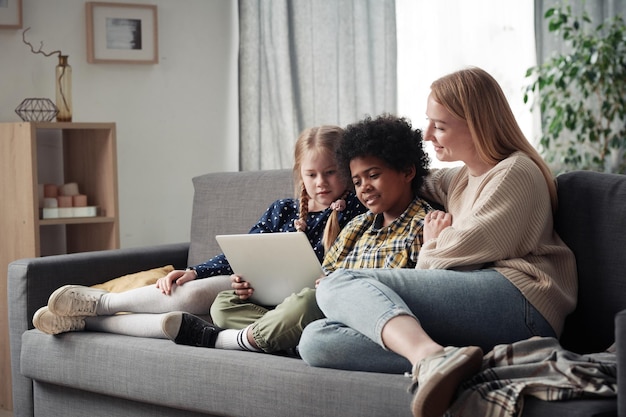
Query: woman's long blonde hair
[[475, 96], [322, 140]]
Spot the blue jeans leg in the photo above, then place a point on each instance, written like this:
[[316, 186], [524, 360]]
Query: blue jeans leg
[[480, 308], [328, 344]]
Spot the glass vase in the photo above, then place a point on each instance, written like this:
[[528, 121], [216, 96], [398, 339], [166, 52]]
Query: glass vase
[[64, 90]]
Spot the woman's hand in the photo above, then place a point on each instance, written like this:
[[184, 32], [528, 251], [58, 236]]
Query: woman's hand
[[434, 223], [242, 287], [317, 281], [177, 276]]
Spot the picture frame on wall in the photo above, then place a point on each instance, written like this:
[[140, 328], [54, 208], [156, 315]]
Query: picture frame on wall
[[122, 33], [10, 14]]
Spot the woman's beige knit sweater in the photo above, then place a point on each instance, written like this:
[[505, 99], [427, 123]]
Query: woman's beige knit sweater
[[503, 220]]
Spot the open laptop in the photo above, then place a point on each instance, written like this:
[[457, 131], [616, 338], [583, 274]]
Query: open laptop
[[275, 264]]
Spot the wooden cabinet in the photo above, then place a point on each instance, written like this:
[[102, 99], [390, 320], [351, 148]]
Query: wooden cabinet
[[52, 153]]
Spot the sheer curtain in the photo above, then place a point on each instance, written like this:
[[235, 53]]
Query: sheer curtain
[[438, 37], [308, 62]]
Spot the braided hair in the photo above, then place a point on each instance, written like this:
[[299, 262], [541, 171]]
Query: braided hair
[[322, 140]]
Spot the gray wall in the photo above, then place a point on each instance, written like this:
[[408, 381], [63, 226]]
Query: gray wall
[[175, 119]]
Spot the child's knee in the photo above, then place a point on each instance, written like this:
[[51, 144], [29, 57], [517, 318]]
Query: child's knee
[[222, 303], [302, 307]]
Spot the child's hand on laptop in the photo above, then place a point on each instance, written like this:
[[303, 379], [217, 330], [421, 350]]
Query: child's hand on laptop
[[242, 287]]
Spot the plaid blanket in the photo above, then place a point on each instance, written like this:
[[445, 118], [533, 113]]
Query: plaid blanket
[[539, 367]]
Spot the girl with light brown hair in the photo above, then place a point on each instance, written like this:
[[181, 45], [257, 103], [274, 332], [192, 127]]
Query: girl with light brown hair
[[321, 206]]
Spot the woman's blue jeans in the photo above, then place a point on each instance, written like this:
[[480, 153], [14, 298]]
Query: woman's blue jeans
[[456, 308]]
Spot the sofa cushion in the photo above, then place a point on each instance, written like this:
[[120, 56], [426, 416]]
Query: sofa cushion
[[136, 280], [208, 380], [231, 202], [591, 219]]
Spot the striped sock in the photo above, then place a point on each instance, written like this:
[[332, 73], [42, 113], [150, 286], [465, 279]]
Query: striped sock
[[234, 340], [227, 339], [244, 343]]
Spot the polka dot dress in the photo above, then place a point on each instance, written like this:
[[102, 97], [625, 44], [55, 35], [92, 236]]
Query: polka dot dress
[[280, 217]]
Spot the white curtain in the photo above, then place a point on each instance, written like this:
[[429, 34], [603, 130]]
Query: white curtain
[[304, 63]]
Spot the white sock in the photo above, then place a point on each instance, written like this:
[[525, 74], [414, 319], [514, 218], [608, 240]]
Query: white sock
[[235, 340], [227, 339]]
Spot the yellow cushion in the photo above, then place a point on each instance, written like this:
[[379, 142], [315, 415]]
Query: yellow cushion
[[136, 280]]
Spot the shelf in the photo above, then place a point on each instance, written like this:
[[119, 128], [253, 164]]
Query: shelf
[[77, 220], [52, 153], [71, 125]]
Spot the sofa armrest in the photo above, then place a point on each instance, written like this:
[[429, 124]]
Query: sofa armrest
[[620, 342], [31, 281]]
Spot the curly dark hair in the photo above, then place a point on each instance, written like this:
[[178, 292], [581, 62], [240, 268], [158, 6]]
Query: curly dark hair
[[390, 138]]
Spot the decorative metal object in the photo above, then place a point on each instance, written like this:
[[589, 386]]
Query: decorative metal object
[[37, 110]]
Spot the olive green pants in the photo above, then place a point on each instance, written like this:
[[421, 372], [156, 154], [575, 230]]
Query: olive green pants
[[274, 329]]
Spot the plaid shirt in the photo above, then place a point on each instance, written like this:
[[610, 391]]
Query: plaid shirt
[[363, 243]]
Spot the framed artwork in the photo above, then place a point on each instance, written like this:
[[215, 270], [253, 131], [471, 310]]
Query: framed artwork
[[10, 14], [121, 33]]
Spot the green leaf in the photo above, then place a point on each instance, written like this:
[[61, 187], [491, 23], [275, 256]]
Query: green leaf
[[554, 25]]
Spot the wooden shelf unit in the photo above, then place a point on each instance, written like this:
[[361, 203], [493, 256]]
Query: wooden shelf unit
[[52, 153]]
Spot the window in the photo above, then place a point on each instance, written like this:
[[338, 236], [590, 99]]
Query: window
[[438, 37]]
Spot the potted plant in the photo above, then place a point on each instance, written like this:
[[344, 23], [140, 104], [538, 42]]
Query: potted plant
[[581, 94]]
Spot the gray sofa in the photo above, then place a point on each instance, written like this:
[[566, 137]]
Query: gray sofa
[[98, 374]]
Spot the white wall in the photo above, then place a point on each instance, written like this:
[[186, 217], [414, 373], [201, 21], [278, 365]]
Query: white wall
[[175, 120]]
